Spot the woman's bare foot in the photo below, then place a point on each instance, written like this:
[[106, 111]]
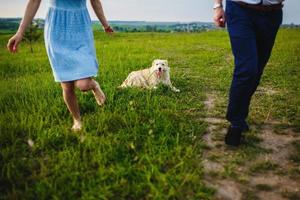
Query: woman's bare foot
[[99, 94], [77, 126]]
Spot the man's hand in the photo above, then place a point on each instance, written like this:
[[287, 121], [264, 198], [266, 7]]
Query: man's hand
[[219, 17]]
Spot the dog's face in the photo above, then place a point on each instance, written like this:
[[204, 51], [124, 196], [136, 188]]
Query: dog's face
[[160, 68]]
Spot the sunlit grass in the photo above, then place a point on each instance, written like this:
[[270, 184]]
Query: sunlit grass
[[141, 144]]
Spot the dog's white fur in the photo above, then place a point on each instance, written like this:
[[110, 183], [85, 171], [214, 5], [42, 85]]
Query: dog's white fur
[[158, 73]]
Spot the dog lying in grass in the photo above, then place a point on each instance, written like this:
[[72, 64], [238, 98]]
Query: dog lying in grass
[[150, 78]]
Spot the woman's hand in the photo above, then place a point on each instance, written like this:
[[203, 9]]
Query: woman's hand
[[13, 42], [31, 9], [108, 30], [97, 6]]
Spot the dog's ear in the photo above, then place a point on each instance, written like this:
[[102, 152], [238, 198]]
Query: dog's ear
[[154, 61], [166, 62]]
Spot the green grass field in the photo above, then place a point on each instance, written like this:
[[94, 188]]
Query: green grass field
[[141, 144]]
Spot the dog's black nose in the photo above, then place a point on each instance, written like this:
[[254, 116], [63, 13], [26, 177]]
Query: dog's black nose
[[159, 68]]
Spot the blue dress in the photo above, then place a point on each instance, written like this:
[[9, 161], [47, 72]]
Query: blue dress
[[69, 40]]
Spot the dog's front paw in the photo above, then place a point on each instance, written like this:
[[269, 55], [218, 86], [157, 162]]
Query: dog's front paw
[[175, 90]]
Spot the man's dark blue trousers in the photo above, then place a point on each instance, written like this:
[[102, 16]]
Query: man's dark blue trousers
[[252, 36]]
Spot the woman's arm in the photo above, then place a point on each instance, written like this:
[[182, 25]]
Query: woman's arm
[[97, 6], [31, 9]]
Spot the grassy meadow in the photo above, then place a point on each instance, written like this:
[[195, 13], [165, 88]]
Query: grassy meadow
[[141, 144]]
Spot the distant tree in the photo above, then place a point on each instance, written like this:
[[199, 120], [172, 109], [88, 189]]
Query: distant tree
[[116, 28], [32, 33], [151, 28], [148, 28], [8, 25]]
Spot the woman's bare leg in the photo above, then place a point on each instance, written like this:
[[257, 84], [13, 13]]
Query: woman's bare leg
[[90, 84], [72, 104]]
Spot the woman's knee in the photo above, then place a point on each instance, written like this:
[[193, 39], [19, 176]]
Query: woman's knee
[[84, 85]]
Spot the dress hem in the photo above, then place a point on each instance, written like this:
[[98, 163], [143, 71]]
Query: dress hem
[[75, 79]]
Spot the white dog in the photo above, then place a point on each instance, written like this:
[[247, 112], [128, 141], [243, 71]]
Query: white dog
[[150, 78]]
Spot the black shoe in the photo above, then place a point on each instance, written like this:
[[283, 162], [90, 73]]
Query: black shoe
[[233, 136]]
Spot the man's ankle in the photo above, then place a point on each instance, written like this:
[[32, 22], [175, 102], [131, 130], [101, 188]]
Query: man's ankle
[[241, 124]]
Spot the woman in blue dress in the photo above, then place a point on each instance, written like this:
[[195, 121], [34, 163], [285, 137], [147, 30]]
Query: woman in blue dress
[[70, 47]]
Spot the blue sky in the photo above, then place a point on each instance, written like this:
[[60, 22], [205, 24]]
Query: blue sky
[[149, 10]]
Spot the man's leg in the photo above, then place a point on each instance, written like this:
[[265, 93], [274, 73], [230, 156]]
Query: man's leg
[[268, 26], [244, 79], [244, 47], [243, 43]]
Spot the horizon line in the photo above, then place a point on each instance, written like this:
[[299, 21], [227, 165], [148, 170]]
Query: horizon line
[[149, 21], [117, 20]]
